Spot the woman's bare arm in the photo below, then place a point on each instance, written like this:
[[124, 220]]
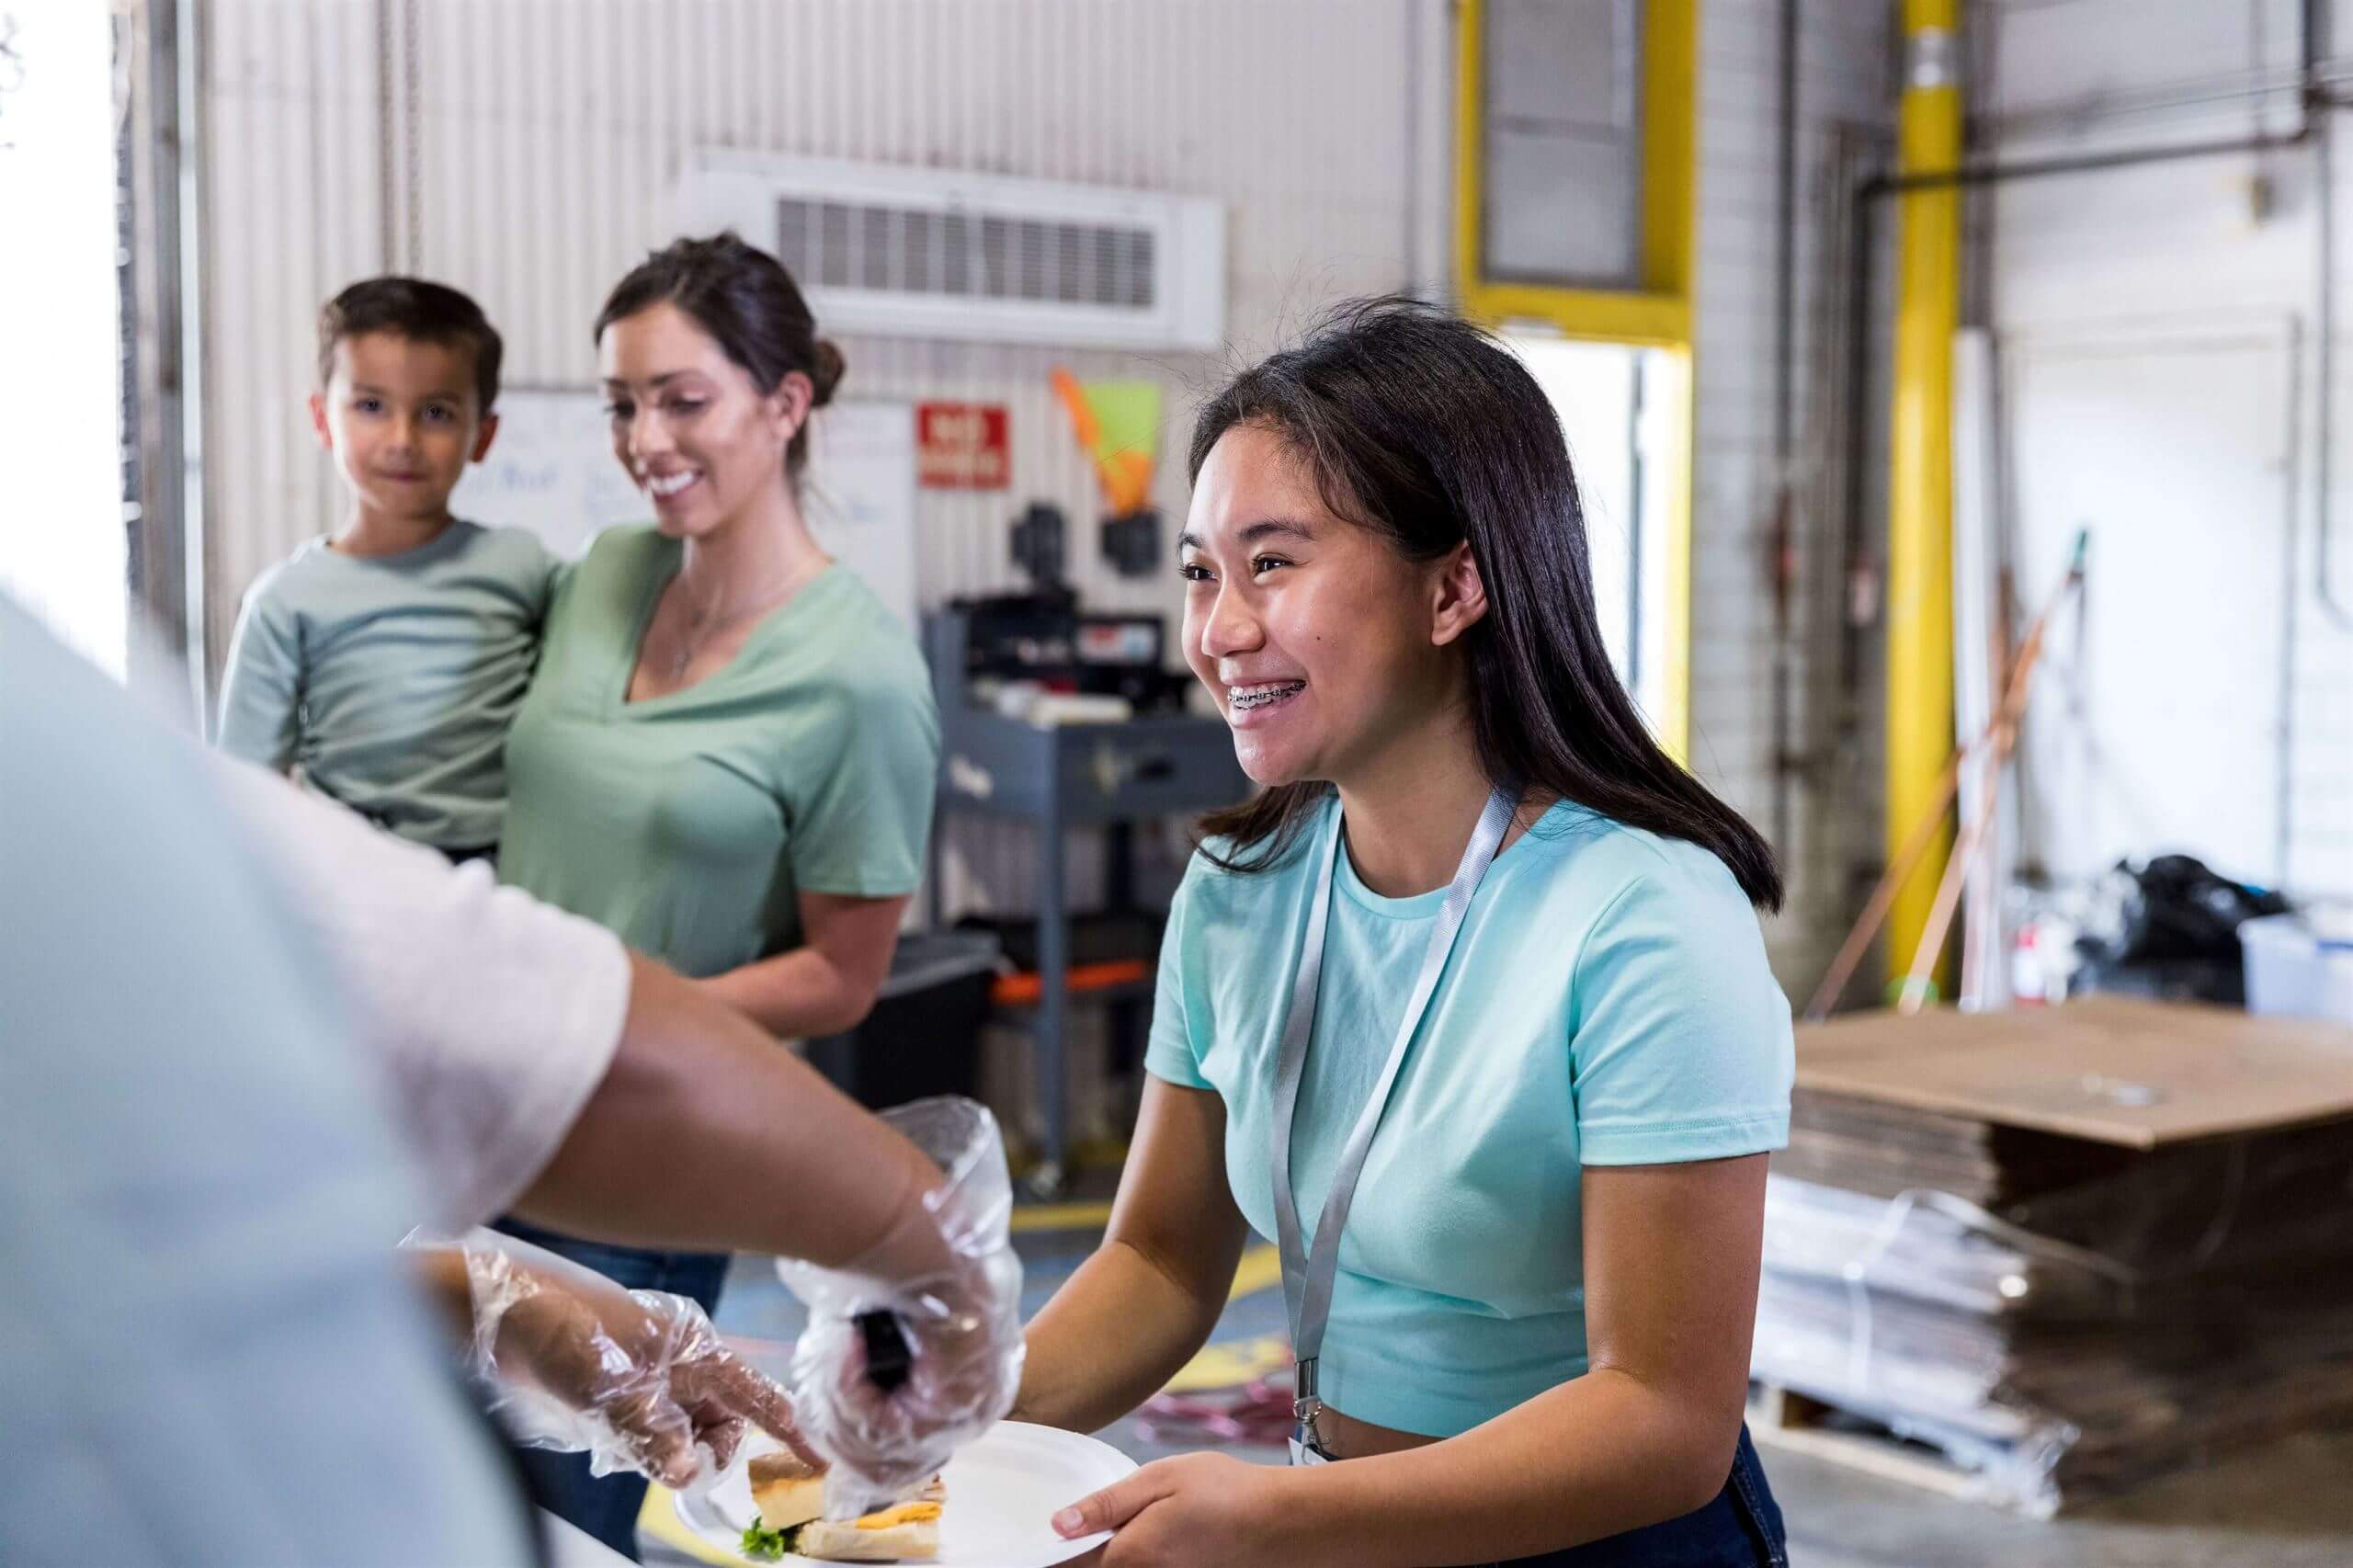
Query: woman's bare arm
[[1137, 1310]]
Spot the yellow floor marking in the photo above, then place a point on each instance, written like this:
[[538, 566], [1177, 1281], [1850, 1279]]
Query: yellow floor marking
[[1231, 1364], [1260, 1267], [1030, 1218]]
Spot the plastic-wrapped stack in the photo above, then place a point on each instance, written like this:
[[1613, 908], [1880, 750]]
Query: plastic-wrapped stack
[[2071, 1250]]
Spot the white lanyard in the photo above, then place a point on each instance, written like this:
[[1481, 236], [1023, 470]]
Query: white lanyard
[[1309, 1269]]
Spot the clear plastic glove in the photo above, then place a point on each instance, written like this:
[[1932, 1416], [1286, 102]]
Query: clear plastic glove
[[962, 1324], [638, 1379]]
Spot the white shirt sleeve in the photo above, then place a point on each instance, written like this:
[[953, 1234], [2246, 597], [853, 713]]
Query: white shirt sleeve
[[492, 1015]]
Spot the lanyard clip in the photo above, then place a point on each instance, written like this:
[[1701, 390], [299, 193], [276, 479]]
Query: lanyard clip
[[1304, 1405]]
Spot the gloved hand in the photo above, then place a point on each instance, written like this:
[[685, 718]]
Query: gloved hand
[[961, 1318], [637, 1378]]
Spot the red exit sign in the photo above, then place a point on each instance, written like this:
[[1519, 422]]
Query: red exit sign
[[962, 446]]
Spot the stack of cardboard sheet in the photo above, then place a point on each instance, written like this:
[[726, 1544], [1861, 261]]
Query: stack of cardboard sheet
[[2070, 1248]]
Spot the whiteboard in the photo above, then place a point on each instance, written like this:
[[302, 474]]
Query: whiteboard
[[859, 496], [552, 471]]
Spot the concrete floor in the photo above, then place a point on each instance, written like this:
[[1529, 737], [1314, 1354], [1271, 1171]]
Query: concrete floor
[[2289, 1505]]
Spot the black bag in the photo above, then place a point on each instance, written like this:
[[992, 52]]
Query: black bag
[[2176, 935]]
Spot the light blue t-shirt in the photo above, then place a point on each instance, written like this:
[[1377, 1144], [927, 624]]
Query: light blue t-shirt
[[1607, 1004]]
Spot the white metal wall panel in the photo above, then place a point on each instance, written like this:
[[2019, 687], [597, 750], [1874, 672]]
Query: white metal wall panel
[[2161, 260], [291, 215], [2054, 54], [547, 134]]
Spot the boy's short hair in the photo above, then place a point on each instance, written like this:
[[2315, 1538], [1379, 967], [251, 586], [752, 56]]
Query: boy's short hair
[[416, 309]]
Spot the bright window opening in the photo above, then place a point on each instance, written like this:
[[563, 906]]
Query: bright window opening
[[64, 547], [1616, 437]]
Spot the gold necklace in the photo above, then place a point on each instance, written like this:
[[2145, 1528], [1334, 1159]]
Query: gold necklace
[[711, 625]]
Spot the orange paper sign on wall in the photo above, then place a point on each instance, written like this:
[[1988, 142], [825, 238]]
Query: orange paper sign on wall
[[962, 446]]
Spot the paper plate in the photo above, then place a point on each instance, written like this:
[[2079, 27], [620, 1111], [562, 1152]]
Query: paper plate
[[1002, 1491]]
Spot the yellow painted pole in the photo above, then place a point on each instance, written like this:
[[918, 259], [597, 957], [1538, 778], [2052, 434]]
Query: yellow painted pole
[[1919, 543], [1470, 151]]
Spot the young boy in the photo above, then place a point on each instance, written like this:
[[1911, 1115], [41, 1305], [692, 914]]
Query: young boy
[[385, 663]]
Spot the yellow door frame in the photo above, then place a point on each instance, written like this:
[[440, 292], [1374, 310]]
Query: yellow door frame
[[1658, 314]]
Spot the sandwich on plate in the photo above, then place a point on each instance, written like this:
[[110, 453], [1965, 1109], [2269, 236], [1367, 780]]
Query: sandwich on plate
[[790, 1494]]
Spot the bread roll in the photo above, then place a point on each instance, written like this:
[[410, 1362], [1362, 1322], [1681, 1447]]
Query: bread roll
[[915, 1541], [787, 1489]]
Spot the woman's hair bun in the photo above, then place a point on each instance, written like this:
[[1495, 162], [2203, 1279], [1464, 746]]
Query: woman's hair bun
[[827, 373]]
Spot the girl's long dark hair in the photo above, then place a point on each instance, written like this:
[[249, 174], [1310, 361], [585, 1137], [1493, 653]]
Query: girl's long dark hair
[[1419, 426]]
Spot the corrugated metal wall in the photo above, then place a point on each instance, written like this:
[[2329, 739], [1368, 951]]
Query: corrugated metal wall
[[292, 197], [526, 151], [530, 148]]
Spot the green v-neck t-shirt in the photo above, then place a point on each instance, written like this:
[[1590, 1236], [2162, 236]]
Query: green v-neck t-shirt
[[688, 823]]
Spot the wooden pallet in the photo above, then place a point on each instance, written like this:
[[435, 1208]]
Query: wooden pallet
[[1786, 1419]]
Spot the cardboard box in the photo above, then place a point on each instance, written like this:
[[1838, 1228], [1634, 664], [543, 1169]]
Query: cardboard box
[[2112, 1069]]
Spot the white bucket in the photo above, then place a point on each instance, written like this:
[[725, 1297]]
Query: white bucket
[[2299, 965]]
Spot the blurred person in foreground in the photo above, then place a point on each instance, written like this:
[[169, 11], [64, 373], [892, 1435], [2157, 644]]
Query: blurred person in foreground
[[229, 1007]]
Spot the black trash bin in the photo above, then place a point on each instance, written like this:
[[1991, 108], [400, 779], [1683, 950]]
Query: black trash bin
[[924, 1036]]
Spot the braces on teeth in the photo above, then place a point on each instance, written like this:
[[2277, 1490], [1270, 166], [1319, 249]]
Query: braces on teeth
[[1260, 696]]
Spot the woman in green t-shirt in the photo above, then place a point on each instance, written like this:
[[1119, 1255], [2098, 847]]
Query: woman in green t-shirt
[[728, 754]]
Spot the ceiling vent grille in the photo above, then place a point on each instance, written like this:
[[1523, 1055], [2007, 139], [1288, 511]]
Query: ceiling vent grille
[[927, 253]]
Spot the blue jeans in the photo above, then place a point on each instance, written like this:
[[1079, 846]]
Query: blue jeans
[[1741, 1528], [606, 1506]]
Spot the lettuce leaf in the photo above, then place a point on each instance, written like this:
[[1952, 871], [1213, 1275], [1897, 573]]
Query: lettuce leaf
[[764, 1545]]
